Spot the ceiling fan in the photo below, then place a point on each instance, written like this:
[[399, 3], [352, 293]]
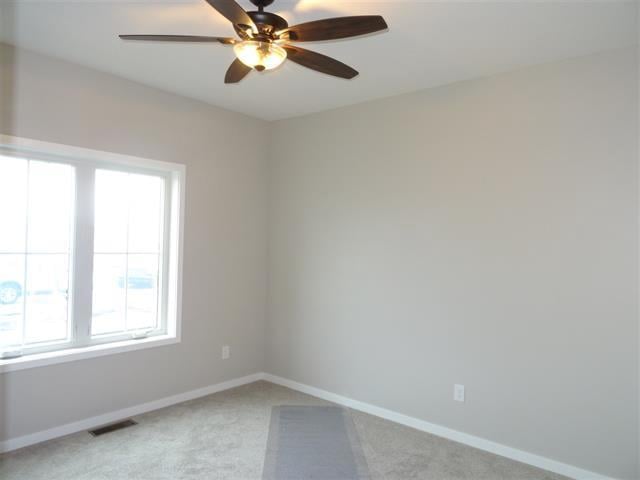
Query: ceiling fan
[[265, 37]]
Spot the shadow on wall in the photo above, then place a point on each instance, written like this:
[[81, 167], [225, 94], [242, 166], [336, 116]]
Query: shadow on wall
[[7, 88]]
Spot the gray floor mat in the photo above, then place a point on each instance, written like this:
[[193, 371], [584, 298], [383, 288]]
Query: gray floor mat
[[318, 443]]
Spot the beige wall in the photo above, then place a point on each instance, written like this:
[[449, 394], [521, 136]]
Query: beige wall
[[483, 233], [224, 241]]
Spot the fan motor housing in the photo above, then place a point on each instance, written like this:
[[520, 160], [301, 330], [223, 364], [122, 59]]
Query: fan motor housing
[[268, 18], [262, 3]]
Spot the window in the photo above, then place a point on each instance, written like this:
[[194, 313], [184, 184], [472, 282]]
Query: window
[[127, 257], [89, 250], [35, 251]]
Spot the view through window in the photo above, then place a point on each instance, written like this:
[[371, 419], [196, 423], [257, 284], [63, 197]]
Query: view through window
[[127, 254], [35, 251], [46, 275]]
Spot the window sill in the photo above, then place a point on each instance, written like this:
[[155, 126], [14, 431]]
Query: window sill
[[73, 354]]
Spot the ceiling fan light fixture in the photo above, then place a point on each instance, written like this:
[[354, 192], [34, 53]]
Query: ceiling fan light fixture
[[260, 55], [265, 39]]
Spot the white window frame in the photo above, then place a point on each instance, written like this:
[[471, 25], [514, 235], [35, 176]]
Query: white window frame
[[81, 345]]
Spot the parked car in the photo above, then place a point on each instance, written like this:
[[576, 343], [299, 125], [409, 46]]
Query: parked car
[[44, 279], [10, 292], [138, 278]]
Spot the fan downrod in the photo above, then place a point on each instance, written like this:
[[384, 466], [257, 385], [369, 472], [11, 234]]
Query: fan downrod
[[261, 18], [261, 3]]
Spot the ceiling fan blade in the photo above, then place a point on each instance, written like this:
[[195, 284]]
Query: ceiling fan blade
[[321, 63], [236, 72], [232, 12], [179, 38], [335, 28]]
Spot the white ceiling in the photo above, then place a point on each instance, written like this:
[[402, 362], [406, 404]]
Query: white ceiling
[[429, 43]]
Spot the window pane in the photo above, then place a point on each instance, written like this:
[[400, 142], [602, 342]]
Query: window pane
[[128, 240], [111, 212], [13, 199], [145, 206], [11, 299], [50, 207], [47, 308], [38, 201], [142, 292], [109, 272]]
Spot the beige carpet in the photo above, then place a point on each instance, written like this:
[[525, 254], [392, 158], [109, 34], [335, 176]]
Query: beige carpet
[[224, 436]]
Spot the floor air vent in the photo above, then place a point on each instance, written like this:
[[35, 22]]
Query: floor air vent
[[112, 428]]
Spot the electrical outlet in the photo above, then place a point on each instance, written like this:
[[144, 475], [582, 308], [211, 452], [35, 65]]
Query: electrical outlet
[[458, 393], [226, 352]]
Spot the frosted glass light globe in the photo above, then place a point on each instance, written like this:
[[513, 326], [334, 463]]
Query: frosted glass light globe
[[260, 55]]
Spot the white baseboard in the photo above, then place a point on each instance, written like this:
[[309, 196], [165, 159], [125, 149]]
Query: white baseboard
[[89, 423], [460, 437], [465, 438]]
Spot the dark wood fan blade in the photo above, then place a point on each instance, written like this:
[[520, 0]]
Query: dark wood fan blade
[[232, 12], [335, 28], [179, 38], [321, 63], [237, 71]]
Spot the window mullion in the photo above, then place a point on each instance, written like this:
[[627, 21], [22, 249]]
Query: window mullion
[[164, 255], [83, 255], [25, 286]]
